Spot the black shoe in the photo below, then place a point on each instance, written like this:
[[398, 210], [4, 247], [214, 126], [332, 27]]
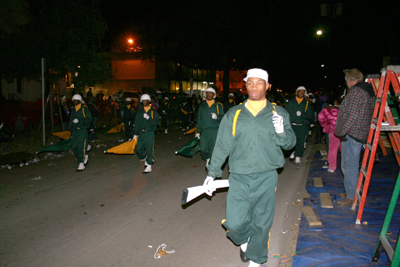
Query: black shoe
[[243, 256]]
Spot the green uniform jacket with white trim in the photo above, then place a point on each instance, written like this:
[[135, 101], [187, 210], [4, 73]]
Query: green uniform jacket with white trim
[[147, 125], [307, 112], [251, 142], [204, 119]]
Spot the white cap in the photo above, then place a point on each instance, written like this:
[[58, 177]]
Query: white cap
[[166, 98], [211, 90], [128, 99], [301, 88], [256, 73], [77, 97], [145, 97], [231, 94]]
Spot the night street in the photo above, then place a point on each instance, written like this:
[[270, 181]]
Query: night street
[[113, 215]]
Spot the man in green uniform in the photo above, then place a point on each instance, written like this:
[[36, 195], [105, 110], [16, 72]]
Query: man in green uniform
[[165, 111], [301, 117], [209, 116], [79, 124], [252, 135], [185, 112], [146, 122], [128, 118], [230, 103]]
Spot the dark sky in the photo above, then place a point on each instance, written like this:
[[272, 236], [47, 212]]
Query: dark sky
[[279, 36]]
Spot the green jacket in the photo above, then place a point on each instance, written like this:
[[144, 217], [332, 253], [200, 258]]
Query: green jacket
[[251, 143], [228, 105], [143, 125], [204, 119], [307, 116], [84, 119], [129, 116], [165, 109]]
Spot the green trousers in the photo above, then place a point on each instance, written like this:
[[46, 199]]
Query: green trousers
[[79, 144], [145, 146], [207, 142], [164, 121], [250, 211], [301, 133]]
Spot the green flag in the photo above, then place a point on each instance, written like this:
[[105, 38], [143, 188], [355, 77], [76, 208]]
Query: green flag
[[187, 150], [59, 147]]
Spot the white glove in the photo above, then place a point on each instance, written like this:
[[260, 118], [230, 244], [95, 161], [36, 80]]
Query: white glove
[[122, 123], [198, 136], [135, 137], [277, 120], [214, 116], [208, 185], [75, 121], [298, 113], [129, 123], [311, 125], [146, 116]]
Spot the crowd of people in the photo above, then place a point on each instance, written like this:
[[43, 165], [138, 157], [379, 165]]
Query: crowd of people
[[253, 133]]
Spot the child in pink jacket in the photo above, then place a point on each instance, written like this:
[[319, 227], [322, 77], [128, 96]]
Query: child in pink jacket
[[327, 118]]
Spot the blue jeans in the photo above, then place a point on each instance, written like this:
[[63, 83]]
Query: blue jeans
[[350, 164]]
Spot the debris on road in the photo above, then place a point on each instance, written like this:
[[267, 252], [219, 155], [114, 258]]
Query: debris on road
[[162, 252]]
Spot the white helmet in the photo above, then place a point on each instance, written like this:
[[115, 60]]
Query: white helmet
[[257, 73], [231, 94], [77, 97], [211, 90], [145, 97], [166, 98], [128, 99], [301, 88]]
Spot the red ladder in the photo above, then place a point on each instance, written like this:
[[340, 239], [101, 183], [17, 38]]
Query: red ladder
[[381, 111]]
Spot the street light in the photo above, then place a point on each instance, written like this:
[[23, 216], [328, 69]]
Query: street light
[[319, 32], [130, 41]]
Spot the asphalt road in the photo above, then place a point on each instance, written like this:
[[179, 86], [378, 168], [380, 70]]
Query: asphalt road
[[113, 215]]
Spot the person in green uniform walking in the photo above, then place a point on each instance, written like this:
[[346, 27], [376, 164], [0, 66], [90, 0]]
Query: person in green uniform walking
[[79, 124], [230, 103], [146, 122], [165, 111], [185, 113], [252, 135], [301, 116], [209, 116], [128, 118]]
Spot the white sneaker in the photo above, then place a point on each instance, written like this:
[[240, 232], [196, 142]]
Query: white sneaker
[[292, 155], [86, 159], [253, 264], [305, 145], [297, 160], [166, 131], [89, 147], [325, 166], [147, 169], [81, 167], [330, 170]]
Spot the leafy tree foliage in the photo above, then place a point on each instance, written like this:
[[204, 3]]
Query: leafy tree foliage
[[66, 34]]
